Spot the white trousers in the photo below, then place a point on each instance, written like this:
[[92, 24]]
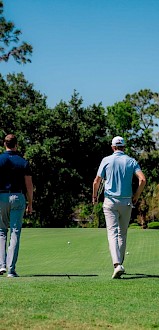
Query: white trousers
[[117, 213]]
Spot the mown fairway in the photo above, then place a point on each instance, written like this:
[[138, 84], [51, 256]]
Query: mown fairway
[[69, 286]]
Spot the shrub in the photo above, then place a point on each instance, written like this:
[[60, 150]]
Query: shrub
[[153, 225], [134, 225], [83, 212]]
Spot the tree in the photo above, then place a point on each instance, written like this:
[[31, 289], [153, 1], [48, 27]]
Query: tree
[[123, 120], [145, 104], [135, 118], [9, 35]]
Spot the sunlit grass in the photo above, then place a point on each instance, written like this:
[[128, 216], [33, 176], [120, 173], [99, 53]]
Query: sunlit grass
[[69, 286]]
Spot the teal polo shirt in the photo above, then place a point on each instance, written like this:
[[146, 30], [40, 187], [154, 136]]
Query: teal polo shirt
[[117, 170]]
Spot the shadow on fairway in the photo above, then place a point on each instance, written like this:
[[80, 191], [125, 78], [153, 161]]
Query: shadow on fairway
[[136, 276], [61, 275]]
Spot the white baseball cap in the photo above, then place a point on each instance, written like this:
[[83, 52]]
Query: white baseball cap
[[118, 141]]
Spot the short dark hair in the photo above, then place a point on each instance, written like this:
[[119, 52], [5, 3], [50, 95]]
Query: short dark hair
[[10, 141], [119, 148]]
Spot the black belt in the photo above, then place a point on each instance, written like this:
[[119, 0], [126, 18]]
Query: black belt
[[10, 191]]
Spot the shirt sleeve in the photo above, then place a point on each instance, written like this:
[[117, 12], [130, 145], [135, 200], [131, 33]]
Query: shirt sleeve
[[101, 169], [136, 166], [28, 171]]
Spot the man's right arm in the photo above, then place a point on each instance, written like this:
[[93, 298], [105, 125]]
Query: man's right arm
[[29, 189], [96, 184], [142, 181]]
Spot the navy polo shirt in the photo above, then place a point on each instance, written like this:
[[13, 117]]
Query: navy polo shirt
[[13, 169]]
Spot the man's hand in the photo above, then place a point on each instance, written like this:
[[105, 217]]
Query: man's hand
[[135, 199], [94, 200], [29, 209]]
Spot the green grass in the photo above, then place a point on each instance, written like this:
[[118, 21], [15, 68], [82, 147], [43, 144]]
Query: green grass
[[69, 286]]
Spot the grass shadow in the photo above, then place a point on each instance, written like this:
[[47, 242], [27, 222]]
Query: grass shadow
[[136, 276], [60, 275]]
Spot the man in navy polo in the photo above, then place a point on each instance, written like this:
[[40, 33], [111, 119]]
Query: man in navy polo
[[117, 170], [15, 184]]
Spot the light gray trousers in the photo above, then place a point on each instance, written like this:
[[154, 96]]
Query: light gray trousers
[[117, 213], [12, 207]]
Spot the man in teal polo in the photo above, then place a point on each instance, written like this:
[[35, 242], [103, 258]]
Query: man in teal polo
[[117, 170]]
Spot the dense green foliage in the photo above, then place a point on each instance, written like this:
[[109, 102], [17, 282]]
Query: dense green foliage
[[66, 144]]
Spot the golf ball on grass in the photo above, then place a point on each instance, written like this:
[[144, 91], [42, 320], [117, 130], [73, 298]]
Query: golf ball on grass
[[68, 242]]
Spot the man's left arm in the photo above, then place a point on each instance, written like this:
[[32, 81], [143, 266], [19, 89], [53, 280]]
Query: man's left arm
[[142, 181], [29, 189]]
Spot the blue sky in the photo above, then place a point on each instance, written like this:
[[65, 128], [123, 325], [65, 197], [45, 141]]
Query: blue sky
[[104, 49]]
